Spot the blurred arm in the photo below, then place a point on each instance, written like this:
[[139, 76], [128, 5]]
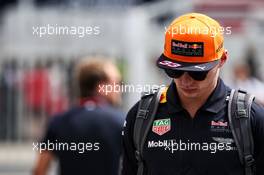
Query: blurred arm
[[43, 163]]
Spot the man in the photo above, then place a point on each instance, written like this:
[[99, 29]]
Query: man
[[87, 138], [191, 119]]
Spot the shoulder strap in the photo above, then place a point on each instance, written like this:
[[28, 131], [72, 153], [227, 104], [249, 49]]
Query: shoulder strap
[[239, 109], [148, 106]]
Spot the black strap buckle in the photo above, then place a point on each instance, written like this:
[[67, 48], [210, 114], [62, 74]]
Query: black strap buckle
[[249, 160], [142, 113], [242, 90], [137, 155], [242, 113]]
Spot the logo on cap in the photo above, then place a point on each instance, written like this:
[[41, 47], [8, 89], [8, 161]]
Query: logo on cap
[[190, 49], [169, 63]]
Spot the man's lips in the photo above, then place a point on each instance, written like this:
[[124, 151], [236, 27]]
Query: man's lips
[[188, 89]]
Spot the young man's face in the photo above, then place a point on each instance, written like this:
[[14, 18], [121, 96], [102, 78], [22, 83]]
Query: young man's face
[[189, 88]]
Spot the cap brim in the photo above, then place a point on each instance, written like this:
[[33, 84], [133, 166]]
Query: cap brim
[[166, 63]]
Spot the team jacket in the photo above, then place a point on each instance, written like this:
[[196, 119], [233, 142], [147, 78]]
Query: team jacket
[[180, 145]]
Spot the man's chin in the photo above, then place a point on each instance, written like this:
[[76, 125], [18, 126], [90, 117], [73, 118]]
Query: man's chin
[[190, 93], [189, 90]]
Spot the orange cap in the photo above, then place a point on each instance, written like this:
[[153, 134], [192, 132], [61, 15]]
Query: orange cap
[[193, 42]]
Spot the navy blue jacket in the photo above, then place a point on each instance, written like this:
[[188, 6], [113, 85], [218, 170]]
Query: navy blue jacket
[[180, 145], [87, 140]]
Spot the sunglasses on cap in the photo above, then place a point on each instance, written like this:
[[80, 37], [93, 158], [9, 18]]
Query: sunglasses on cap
[[198, 76]]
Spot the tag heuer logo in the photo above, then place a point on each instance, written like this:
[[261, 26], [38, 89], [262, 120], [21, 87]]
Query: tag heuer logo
[[162, 126]]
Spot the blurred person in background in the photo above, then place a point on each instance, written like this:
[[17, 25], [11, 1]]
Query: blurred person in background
[[244, 80], [94, 125], [57, 101], [36, 88], [8, 98]]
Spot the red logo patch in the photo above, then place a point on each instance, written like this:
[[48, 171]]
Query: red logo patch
[[161, 126]]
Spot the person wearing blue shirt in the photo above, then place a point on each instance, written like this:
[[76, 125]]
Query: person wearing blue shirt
[[87, 138]]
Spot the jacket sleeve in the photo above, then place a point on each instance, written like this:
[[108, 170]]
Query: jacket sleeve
[[129, 163], [258, 136]]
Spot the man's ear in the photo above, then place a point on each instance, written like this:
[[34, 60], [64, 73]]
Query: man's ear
[[223, 58]]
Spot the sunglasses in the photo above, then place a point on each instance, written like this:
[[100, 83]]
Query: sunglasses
[[198, 76]]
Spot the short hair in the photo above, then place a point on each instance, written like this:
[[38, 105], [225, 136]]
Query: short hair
[[89, 74]]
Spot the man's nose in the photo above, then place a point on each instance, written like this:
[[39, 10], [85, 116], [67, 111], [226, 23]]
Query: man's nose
[[186, 79]]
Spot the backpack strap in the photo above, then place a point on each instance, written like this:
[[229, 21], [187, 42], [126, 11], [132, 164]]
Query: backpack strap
[[239, 110], [147, 109]]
